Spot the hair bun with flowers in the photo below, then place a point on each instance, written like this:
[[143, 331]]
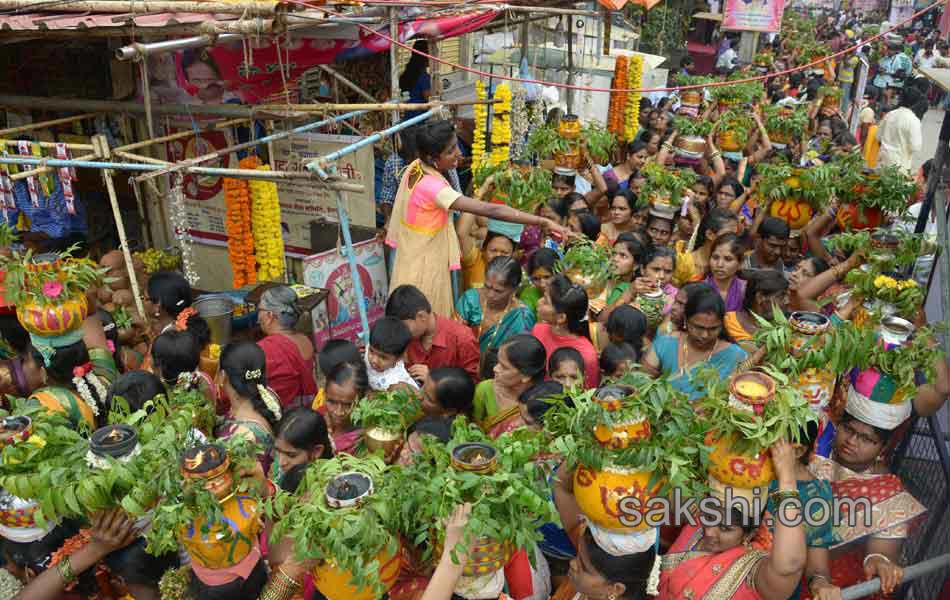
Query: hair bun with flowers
[[181, 322], [270, 400]]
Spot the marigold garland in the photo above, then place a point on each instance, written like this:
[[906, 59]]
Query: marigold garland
[[501, 126], [618, 100], [632, 113], [237, 199], [481, 123], [268, 237]]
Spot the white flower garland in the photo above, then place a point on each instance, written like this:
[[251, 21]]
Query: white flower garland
[[270, 400], [83, 388], [519, 123], [179, 222]]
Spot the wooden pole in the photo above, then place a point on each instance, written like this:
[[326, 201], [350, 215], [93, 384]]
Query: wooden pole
[[140, 158], [49, 145], [394, 93], [42, 170], [120, 226], [333, 72], [570, 64], [45, 124], [387, 106], [175, 136], [434, 67], [238, 7]]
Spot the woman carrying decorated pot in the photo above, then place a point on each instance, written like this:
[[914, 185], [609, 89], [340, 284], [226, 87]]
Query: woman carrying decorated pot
[[522, 363], [719, 561], [654, 288], [765, 291], [493, 312], [868, 547], [628, 255], [420, 228], [254, 409], [705, 342], [725, 258], [691, 265], [635, 156]]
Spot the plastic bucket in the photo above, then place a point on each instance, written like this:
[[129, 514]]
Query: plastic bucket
[[217, 311]]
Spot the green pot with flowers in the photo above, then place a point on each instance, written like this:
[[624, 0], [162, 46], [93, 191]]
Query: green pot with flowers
[[385, 416], [637, 437], [340, 515], [49, 290], [586, 264], [665, 188], [500, 478]]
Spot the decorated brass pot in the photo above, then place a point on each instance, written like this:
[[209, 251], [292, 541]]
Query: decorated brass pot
[[690, 146], [619, 435], [599, 495], [211, 467], [808, 329], [651, 305], [691, 98], [336, 584], [569, 127], [738, 470], [750, 391], [729, 141], [55, 319], [388, 442], [474, 458], [217, 548], [569, 159], [592, 286], [817, 386]]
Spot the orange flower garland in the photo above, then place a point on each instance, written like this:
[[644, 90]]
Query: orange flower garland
[[237, 200], [618, 100]]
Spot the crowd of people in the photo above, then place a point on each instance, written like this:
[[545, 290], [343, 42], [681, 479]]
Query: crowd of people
[[484, 324]]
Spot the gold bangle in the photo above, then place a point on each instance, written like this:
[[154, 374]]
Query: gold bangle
[[289, 579]]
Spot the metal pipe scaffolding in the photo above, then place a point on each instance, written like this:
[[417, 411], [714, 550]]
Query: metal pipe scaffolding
[[321, 164], [212, 171], [243, 146]]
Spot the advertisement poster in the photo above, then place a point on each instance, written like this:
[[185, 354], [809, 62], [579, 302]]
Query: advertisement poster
[[301, 201], [339, 316], [753, 15], [237, 73], [900, 10]]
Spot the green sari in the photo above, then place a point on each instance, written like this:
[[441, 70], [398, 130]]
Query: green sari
[[518, 319]]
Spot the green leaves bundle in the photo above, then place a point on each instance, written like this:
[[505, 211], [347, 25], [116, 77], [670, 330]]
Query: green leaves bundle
[[785, 416], [508, 505], [888, 189], [545, 141], [389, 411], [793, 124], [589, 258], [600, 142], [353, 537], [685, 126], [674, 453], [663, 184]]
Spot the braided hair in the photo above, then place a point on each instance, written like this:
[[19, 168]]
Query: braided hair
[[244, 364]]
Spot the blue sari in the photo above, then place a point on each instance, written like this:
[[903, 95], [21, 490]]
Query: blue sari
[[667, 351], [519, 319]]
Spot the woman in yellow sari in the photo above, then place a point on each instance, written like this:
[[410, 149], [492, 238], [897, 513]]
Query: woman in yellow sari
[[420, 228]]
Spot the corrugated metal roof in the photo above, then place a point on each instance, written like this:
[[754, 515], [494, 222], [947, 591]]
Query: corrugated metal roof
[[88, 21]]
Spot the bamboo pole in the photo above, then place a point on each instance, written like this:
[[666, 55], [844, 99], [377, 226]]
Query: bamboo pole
[[176, 136], [120, 226], [44, 124], [277, 111], [237, 7], [140, 158], [394, 92], [44, 169], [347, 83], [49, 145], [434, 67]]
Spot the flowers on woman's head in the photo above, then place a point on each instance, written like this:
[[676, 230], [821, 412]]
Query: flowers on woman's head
[[52, 289]]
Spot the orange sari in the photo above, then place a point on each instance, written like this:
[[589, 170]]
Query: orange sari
[[689, 573]]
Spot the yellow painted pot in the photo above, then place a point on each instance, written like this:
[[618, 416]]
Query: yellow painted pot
[[336, 584], [570, 127], [691, 98], [214, 549], [729, 142], [794, 212], [599, 493], [736, 469], [54, 319], [593, 288]]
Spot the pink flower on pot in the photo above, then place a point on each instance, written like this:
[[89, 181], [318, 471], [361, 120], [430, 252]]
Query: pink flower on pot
[[52, 289]]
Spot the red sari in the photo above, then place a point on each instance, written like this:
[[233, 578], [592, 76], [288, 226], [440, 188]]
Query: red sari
[[893, 513], [689, 573], [288, 374]]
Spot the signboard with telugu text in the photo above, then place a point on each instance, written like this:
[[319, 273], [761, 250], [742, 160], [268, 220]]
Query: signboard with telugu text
[[753, 15]]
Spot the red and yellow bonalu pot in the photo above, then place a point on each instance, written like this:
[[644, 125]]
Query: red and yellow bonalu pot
[[599, 495], [738, 470], [619, 435], [336, 584]]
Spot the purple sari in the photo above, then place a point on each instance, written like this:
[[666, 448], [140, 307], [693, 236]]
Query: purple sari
[[735, 294]]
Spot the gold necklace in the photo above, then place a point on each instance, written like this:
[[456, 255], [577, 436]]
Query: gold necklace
[[686, 354], [482, 326]]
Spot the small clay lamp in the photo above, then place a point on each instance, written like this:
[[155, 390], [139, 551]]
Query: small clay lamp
[[211, 465], [15, 429], [348, 489], [474, 458], [114, 441]]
